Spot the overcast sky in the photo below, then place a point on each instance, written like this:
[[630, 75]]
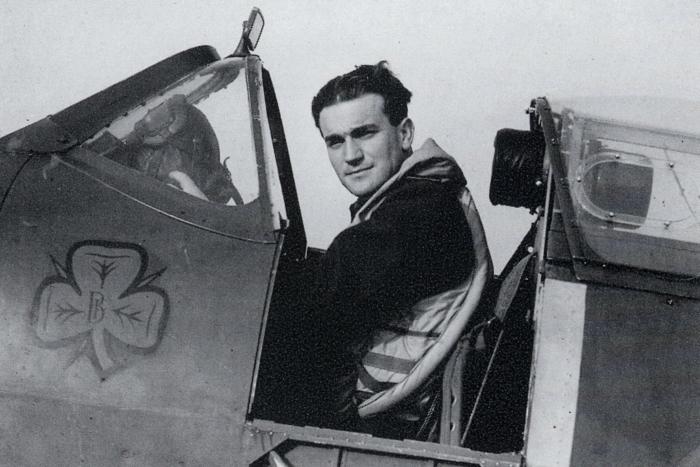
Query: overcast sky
[[473, 66]]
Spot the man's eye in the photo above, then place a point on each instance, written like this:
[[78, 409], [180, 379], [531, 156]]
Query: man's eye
[[334, 143], [364, 134]]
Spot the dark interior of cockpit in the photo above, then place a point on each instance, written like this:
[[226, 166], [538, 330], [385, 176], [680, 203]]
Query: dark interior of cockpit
[[494, 366]]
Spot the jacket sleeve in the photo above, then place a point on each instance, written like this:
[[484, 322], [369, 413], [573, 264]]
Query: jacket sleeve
[[416, 244]]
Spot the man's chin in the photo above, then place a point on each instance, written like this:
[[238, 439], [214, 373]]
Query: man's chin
[[360, 192], [361, 189], [362, 184]]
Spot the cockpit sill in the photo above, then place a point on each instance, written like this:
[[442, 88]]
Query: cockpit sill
[[260, 437]]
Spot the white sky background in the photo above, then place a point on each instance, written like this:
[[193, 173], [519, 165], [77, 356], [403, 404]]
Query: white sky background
[[473, 67]]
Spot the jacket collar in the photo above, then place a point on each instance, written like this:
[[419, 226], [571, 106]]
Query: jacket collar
[[428, 162]]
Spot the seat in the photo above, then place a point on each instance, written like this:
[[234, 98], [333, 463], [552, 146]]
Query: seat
[[485, 382]]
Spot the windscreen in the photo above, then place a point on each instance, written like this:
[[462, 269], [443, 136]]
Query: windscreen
[[195, 137], [635, 192]]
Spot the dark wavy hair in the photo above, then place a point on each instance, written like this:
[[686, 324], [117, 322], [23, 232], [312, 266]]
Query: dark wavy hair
[[365, 79]]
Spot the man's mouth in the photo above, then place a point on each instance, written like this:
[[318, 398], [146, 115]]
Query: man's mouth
[[357, 171]]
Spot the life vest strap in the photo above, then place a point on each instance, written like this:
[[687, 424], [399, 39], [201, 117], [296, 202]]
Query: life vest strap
[[388, 363], [411, 332], [370, 383]]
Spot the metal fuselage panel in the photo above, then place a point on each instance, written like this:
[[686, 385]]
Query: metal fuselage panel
[[559, 318], [639, 398], [615, 379], [126, 336]]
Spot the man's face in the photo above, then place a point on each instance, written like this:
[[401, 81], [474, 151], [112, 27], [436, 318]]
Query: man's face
[[364, 148]]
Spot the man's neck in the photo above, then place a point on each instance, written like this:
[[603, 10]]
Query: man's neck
[[359, 202]]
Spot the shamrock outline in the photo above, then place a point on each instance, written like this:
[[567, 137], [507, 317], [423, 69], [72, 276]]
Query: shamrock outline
[[96, 339]]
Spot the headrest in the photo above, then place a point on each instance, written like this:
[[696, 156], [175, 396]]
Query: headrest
[[516, 174]]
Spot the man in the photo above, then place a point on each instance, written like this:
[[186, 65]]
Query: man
[[409, 241]]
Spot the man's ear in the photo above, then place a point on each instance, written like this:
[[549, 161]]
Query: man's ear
[[406, 132]]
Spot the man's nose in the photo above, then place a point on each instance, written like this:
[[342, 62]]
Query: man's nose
[[352, 151]]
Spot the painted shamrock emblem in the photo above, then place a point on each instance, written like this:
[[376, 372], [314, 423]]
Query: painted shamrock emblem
[[100, 295]]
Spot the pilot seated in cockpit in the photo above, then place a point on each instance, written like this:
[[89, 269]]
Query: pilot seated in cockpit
[[175, 143]]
